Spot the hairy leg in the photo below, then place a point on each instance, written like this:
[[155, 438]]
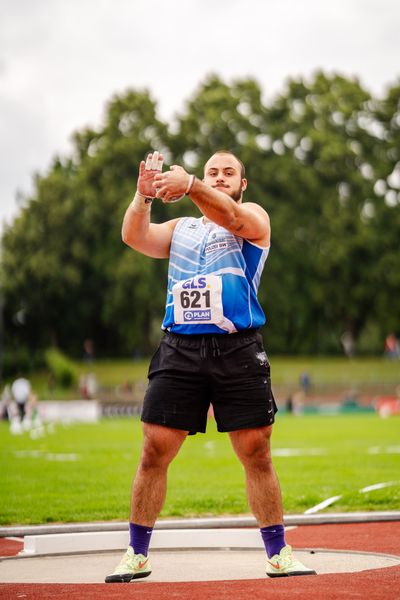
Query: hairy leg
[[252, 447], [149, 487]]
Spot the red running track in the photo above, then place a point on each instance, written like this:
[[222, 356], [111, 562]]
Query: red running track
[[377, 584]]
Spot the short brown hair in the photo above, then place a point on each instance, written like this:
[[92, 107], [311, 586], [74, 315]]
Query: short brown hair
[[242, 167]]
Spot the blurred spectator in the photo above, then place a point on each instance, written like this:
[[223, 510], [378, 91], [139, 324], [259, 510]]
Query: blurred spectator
[[88, 385], [295, 402], [348, 343], [305, 382], [91, 385], [289, 404], [298, 400], [88, 350], [5, 402], [22, 407], [392, 346], [21, 391]]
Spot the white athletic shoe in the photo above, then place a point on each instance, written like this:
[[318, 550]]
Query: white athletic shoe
[[285, 565], [132, 566]]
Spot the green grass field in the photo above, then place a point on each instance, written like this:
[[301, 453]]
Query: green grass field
[[83, 472]]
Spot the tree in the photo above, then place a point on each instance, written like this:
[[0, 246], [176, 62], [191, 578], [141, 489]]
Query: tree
[[322, 158], [60, 256]]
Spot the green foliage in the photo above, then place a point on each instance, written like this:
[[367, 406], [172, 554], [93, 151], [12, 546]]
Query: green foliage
[[322, 158], [17, 360], [83, 472], [63, 370]]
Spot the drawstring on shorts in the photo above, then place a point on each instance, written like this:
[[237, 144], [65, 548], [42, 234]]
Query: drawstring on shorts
[[246, 336], [203, 352], [215, 348]]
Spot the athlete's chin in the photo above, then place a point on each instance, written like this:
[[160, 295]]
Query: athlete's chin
[[236, 196]]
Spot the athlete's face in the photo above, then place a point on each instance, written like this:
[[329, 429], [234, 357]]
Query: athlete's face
[[223, 172]]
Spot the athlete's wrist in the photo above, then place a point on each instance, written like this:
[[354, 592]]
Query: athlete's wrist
[[141, 203], [190, 184]]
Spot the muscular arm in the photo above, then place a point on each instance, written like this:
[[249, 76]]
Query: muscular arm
[[248, 220], [151, 239]]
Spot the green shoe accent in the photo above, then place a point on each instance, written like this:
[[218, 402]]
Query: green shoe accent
[[285, 565], [132, 566]]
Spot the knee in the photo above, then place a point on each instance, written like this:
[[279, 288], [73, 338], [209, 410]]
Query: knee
[[259, 459], [252, 447], [256, 457], [155, 455], [152, 458]]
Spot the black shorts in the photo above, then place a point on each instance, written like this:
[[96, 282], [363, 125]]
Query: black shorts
[[188, 373]]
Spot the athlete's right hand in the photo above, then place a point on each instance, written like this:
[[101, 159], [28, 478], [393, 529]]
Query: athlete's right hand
[[147, 171]]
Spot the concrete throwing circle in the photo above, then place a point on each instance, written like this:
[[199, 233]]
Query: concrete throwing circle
[[178, 565]]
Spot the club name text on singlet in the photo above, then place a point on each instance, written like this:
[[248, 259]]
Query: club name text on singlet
[[213, 278]]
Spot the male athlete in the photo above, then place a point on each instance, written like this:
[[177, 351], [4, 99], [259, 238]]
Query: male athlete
[[212, 350]]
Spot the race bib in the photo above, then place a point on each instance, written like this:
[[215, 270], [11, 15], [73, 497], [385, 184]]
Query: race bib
[[198, 300]]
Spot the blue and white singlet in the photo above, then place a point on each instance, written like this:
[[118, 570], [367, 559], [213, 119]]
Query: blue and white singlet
[[213, 278]]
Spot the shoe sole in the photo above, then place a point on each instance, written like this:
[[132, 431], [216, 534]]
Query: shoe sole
[[126, 578], [292, 574]]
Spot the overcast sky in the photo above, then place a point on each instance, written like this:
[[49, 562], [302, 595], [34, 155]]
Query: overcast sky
[[61, 60]]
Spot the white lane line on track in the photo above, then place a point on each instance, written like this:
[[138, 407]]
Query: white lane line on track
[[364, 490], [378, 486], [321, 505]]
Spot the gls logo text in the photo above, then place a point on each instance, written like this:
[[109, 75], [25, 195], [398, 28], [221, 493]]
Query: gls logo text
[[193, 284]]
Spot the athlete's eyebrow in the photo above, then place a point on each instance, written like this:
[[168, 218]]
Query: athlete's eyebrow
[[224, 169]]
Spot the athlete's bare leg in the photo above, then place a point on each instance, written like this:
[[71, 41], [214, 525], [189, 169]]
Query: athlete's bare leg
[[149, 487], [252, 447]]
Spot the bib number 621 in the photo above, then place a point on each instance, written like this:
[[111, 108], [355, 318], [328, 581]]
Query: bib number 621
[[194, 299], [198, 300]]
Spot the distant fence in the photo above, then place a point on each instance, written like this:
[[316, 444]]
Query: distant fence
[[125, 402], [118, 409]]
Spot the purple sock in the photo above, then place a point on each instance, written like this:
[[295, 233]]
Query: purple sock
[[273, 538], [140, 538]]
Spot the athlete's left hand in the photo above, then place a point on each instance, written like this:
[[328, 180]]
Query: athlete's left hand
[[147, 171], [171, 185]]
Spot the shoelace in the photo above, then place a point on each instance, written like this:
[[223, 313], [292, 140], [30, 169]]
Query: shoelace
[[129, 560], [282, 560], [285, 559]]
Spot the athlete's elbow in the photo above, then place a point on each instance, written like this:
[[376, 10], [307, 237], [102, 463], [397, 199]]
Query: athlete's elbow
[[127, 237]]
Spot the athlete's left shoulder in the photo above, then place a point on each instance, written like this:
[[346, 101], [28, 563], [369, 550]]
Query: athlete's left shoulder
[[254, 207], [259, 226]]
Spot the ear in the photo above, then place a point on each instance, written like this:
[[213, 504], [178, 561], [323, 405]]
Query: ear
[[244, 184]]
